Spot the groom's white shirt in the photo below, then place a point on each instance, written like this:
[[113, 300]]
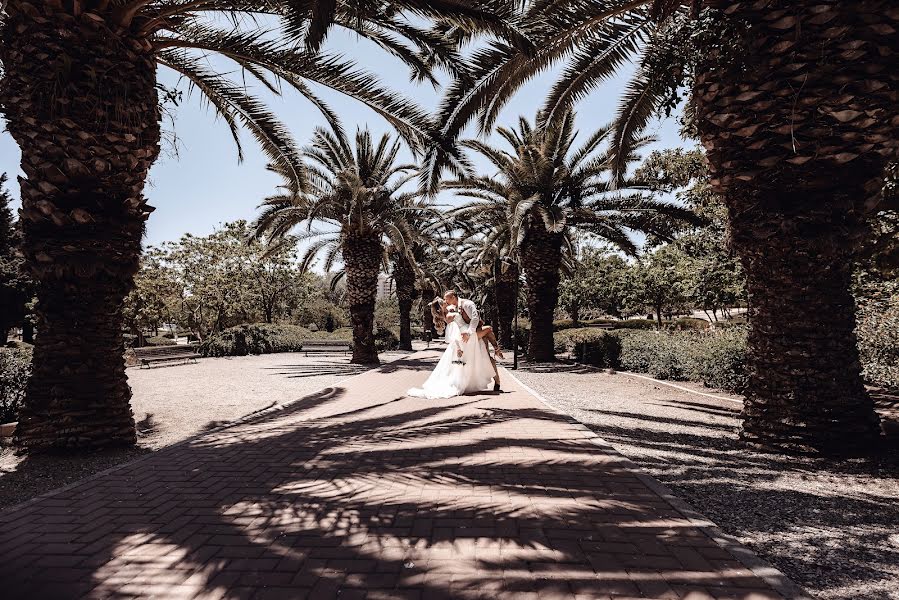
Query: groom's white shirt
[[471, 310]]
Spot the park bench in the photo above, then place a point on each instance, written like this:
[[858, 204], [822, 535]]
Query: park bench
[[325, 347], [153, 354]]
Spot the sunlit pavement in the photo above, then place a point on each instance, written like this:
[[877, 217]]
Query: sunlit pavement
[[358, 491]]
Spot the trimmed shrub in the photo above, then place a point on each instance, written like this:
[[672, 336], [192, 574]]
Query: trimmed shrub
[[15, 369], [522, 335], [563, 324], [158, 340], [657, 353], [721, 360], [256, 338], [686, 323], [386, 340], [715, 358], [591, 346], [635, 324]]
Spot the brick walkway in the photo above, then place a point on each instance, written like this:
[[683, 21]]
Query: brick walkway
[[360, 492]]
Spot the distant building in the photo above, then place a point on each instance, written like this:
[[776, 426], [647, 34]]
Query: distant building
[[385, 287]]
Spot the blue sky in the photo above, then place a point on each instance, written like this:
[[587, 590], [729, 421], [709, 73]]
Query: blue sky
[[198, 183]]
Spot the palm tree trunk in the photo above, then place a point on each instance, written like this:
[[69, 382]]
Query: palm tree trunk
[[362, 259], [542, 259], [83, 109], [404, 277], [798, 123], [506, 301], [805, 389], [427, 319]]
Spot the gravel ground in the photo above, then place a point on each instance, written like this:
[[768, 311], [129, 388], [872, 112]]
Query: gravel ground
[[172, 403], [832, 526]]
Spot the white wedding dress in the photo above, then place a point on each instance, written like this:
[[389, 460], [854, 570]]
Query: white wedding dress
[[455, 375]]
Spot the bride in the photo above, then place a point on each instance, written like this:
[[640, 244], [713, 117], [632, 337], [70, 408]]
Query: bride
[[466, 366]]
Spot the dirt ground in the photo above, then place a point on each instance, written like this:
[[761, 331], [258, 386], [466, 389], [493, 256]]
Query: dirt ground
[[830, 525]]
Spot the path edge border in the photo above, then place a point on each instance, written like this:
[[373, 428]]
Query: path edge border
[[760, 567]]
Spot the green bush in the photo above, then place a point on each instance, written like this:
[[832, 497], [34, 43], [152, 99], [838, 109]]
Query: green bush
[[657, 353], [592, 346], [522, 335], [878, 341], [256, 338], [715, 358], [15, 369], [686, 323], [157, 340], [563, 324], [721, 360], [386, 340], [635, 324]]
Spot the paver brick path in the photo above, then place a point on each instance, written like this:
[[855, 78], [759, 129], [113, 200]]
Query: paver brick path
[[360, 492]]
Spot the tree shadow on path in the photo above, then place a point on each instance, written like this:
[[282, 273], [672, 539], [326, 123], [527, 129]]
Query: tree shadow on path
[[358, 490]]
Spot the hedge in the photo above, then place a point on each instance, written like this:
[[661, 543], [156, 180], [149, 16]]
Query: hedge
[[715, 357], [256, 338], [158, 340], [268, 338]]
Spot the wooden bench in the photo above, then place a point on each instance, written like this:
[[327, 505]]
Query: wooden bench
[[154, 354], [325, 347]]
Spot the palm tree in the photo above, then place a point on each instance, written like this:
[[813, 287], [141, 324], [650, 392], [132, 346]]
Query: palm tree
[[547, 189], [795, 103], [80, 96], [488, 250], [403, 272], [357, 193]]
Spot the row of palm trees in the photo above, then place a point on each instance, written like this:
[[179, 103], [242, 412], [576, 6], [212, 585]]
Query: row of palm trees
[[544, 189], [795, 102]]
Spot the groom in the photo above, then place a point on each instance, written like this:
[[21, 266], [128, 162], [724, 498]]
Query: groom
[[469, 312]]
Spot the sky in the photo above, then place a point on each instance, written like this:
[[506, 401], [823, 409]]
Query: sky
[[198, 183]]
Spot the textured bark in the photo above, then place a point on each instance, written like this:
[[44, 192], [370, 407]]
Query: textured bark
[[404, 277], [541, 260], [428, 331], [362, 259], [80, 100], [805, 389], [798, 125], [506, 301]]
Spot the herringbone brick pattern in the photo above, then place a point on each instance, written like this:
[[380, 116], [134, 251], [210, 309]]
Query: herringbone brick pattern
[[360, 492]]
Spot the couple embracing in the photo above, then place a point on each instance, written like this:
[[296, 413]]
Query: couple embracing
[[466, 365]]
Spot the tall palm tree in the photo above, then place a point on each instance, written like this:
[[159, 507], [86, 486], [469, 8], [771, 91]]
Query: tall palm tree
[[488, 249], [796, 104], [357, 194], [547, 189], [403, 270], [80, 96]]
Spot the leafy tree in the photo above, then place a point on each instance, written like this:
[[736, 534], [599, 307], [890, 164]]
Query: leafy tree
[[547, 189], [152, 302], [717, 281], [16, 288], [597, 286], [228, 278], [660, 283]]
